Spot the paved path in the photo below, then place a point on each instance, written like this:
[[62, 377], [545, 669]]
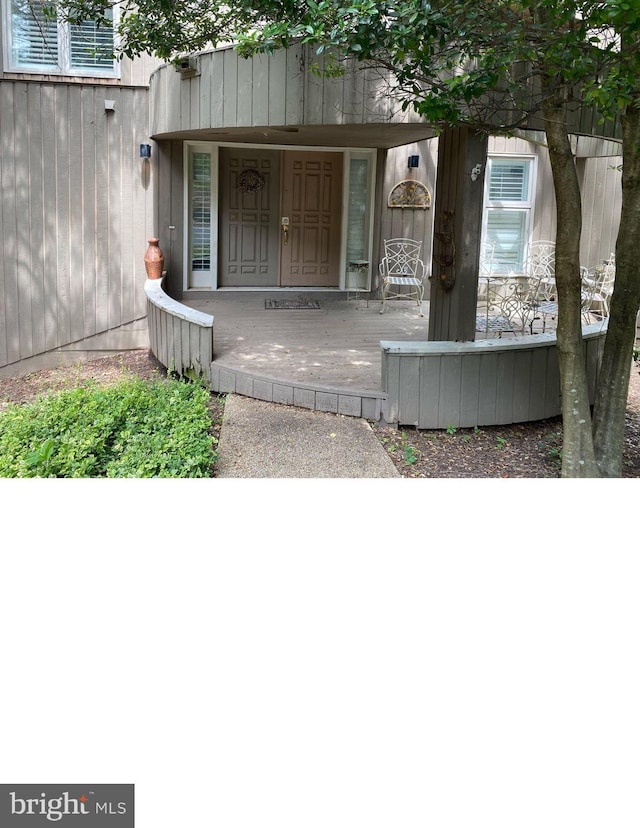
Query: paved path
[[260, 439]]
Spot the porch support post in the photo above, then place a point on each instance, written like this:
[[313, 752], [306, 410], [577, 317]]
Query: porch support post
[[462, 159]]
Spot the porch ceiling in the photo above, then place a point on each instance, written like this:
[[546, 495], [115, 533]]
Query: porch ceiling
[[377, 136]]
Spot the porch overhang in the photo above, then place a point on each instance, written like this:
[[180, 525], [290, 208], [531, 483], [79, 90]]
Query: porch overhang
[[373, 135]]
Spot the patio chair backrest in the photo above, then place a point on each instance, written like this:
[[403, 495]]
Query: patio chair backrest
[[541, 259], [540, 269], [487, 259], [597, 285], [403, 257]]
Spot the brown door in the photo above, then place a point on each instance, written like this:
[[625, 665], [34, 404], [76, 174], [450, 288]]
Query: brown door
[[312, 202], [249, 217]]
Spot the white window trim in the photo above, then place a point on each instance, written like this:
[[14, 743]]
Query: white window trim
[[371, 157], [528, 205], [213, 150], [63, 68]]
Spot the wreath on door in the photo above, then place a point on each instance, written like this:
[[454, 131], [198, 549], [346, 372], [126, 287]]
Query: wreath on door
[[250, 181]]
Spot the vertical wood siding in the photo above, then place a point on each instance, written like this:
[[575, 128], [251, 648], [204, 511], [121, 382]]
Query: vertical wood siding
[[76, 210], [442, 384], [180, 337], [271, 90]]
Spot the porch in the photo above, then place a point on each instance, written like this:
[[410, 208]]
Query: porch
[[346, 357]]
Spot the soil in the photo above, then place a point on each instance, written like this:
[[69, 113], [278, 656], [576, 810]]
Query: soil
[[528, 450]]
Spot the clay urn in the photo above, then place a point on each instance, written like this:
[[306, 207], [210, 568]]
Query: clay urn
[[154, 260]]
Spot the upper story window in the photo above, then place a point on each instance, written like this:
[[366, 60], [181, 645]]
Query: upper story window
[[38, 42], [508, 208]]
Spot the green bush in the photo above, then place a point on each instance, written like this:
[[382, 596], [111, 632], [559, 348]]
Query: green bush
[[136, 428]]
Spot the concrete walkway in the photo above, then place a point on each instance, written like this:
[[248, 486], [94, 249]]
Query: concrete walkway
[[261, 439]]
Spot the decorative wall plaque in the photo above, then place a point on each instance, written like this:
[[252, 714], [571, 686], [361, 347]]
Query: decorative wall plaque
[[410, 193]]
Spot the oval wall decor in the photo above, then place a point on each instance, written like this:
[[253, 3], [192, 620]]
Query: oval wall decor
[[410, 193]]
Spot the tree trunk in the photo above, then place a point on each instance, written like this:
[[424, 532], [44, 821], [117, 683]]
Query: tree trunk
[[613, 381], [578, 457]]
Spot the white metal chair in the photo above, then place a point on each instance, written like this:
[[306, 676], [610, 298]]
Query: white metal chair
[[597, 287], [402, 271], [491, 321], [540, 298]]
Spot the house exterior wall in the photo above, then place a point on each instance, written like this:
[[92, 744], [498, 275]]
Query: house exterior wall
[[77, 206]]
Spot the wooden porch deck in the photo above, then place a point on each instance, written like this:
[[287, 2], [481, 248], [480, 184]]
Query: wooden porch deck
[[336, 347]]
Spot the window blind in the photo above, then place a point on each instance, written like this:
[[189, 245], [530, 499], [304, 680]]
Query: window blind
[[506, 229], [91, 44], [34, 35], [509, 180], [201, 211]]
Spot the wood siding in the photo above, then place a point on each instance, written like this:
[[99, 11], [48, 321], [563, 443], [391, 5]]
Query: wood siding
[[181, 338], [441, 384], [267, 90], [76, 213]]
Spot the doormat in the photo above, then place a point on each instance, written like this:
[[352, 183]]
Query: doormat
[[291, 304]]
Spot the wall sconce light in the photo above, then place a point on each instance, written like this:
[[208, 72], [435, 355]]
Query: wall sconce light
[[145, 150], [414, 161]]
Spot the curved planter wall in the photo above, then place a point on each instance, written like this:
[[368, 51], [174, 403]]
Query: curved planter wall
[[181, 338], [434, 385]]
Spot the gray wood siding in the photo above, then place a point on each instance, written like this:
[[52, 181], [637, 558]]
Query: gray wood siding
[[398, 222], [441, 384], [181, 338], [601, 194], [171, 212], [229, 91], [76, 211]]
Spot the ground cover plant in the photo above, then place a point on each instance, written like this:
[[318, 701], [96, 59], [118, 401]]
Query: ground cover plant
[[133, 428]]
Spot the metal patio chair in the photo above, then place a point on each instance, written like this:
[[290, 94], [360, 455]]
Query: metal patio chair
[[402, 271], [597, 287], [491, 321], [536, 296]]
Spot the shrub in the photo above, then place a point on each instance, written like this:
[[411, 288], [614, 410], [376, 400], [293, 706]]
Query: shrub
[[136, 428]]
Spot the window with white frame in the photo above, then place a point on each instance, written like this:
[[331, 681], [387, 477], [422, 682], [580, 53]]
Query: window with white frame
[[40, 42], [508, 208]]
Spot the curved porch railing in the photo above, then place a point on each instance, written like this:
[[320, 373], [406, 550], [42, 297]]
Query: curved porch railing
[[435, 385], [181, 338]]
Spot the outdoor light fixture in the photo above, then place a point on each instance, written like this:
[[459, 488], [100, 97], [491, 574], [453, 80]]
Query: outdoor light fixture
[[414, 161], [145, 150]]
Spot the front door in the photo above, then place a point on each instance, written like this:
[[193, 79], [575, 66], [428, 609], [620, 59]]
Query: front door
[[311, 219], [249, 217]]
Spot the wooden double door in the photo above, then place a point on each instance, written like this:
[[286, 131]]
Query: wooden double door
[[280, 218]]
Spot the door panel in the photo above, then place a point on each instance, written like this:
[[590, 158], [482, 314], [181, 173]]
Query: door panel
[[249, 221], [312, 201]]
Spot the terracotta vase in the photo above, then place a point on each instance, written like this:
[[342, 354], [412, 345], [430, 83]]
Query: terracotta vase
[[154, 260]]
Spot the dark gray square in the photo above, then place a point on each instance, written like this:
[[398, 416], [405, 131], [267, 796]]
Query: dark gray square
[[83, 806]]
